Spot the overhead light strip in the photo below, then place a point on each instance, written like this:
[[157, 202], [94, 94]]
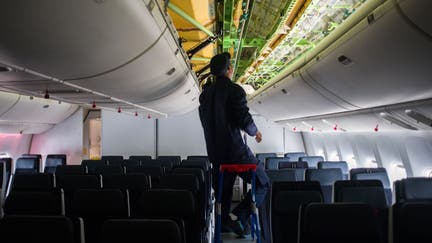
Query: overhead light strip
[[83, 89]]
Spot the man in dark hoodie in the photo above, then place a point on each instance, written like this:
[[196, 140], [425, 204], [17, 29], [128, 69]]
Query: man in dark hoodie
[[224, 114]]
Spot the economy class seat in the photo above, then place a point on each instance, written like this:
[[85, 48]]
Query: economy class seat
[[412, 212], [374, 174], [287, 197], [159, 204], [71, 170], [286, 175], [95, 206], [293, 165]]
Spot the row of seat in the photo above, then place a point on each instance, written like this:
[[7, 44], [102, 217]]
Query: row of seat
[[65, 230], [298, 213], [27, 196], [327, 176]]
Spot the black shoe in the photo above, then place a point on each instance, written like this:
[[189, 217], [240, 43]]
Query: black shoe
[[233, 226], [247, 228]]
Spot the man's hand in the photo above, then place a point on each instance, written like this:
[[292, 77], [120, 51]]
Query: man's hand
[[258, 137]]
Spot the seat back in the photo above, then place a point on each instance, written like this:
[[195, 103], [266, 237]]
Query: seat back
[[33, 182], [166, 164], [175, 160], [293, 165], [411, 222], [54, 160], [24, 229], [35, 203], [140, 158], [196, 163], [198, 157], [369, 192], [7, 164], [287, 197], [92, 164], [160, 204], [27, 165], [108, 170], [262, 156], [134, 183], [413, 189], [272, 163], [374, 174], [339, 223], [154, 172], [294, 156], [312, 160], [286, 175], [343, 165], [96, 206], [326, 178], [112, 158], [125, 162], [129, 230], [71, 183], [71, 170]]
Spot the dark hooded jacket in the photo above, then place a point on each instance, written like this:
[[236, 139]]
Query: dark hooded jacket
[[224, 113]]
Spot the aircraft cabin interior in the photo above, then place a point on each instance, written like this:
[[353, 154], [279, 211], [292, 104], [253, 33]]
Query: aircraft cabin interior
[[101, 139]]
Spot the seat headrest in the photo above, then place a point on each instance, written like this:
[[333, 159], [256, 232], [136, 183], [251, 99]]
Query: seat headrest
[[73, 182], [27, 163], [370, 192], [103, 202], [30, 228], [35, 203], [326, 177], [286, 175], [195, 164], [322, 220], [414, 189], [343, 165], [33, 182], [111, 158], [140, 157], [179, 182], [134, 182], [262, 156], [382, 176], [53, 162], [153, 170], [93, 163], [175, 160], [108, 170], [293, 165], [71, 170], [160, 203], [272, 163], [191, 171]]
